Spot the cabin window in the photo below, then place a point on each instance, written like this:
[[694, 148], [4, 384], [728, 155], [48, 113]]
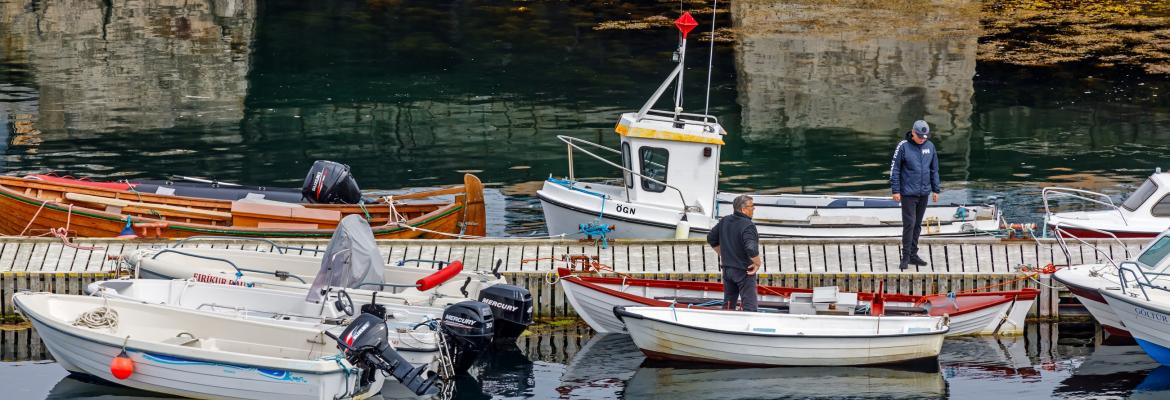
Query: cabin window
[[1155, 253], [628, 163], [1162, 208], [654, 161], [1140, 196]]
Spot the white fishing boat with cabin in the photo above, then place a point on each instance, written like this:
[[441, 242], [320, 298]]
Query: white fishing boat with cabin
[[770, 339], [670, 188]]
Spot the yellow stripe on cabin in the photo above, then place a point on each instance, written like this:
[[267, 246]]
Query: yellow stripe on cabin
[[625, 130]]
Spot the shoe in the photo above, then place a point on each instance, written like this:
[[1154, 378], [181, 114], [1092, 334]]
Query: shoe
[[902, 264], [914, 259]]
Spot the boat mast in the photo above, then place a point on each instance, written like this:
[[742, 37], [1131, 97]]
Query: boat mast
[[685, 24]]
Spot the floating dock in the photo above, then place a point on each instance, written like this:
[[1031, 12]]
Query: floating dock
[[956, 265]]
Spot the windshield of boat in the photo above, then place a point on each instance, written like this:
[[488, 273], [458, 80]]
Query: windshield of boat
[[1155, 253], [1140, 196]]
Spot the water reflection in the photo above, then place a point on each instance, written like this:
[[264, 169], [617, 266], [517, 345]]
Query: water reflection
[[662, 382], [1155, 386], [856, 66], [86, 387], [1049, 361], [102, 67]]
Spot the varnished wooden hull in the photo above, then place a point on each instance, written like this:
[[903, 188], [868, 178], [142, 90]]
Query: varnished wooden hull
[[34, 208]]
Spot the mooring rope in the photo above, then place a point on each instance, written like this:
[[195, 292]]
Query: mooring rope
[[98, 318]]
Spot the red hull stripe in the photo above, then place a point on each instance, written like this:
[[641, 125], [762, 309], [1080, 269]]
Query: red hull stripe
[[968, 302]]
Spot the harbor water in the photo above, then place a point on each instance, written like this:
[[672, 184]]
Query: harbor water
[[1060, 361]]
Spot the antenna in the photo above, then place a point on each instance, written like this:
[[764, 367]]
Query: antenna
[[710, 60], [685, 24]]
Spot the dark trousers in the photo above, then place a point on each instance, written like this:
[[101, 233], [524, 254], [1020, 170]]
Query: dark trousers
[[913, 209], [737, 284]]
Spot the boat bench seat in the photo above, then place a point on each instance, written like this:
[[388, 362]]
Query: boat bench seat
[[251, 214]]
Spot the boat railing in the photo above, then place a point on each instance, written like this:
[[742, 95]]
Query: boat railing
[[1141, 278], [573, 143], [1060, 234], [283, 275], [1054, 192], [278, 247], [708, 122]]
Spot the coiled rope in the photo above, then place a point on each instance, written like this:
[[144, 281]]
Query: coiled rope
[[102, 317]]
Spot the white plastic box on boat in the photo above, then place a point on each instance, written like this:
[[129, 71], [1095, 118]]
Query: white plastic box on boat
[[768, 339], [193, 354]]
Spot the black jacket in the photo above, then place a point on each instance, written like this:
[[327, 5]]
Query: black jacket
[[914, 169], [737, 239]]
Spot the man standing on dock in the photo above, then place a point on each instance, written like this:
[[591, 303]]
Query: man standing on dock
[[737, 243], [913, 176]]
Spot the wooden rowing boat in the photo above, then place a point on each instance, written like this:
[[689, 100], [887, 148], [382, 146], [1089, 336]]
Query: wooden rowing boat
[[38, 207]]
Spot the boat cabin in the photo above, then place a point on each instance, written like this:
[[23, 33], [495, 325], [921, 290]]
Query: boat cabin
[[677, 159]]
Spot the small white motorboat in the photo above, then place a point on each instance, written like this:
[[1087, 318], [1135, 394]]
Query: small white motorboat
[[1145, 213], [415, 331], [205, 355], [982, 313], [1086, 281], [1143, 309], [669, 165], [353, 249], [769, 339]]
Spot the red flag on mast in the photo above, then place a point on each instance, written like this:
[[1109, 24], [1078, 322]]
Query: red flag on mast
[[685, 24]]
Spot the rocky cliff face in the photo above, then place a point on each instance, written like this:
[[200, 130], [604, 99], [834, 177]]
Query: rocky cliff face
[[96, 67]]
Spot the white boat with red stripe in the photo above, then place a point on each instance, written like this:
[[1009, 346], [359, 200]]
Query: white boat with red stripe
[[594, 297]]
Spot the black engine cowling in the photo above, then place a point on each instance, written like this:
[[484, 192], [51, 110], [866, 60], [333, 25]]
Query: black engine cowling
[[367, 345], [512, 307], [329, 182], [468, 327]]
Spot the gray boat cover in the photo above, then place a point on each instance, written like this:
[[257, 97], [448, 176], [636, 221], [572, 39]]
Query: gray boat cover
[[351, 258]]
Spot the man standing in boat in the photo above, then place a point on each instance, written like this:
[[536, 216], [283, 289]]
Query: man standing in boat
[[737, 243], [913, 177]]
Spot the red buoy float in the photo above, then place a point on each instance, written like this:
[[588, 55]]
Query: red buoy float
[[122, 366]]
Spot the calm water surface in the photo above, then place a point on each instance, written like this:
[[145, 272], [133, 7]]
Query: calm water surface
[[414, 93], [1064, 361]]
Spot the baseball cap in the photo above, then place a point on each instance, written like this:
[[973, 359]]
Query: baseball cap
[[922, 129]]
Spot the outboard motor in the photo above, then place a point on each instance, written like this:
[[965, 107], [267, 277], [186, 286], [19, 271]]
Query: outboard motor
[[467, 327], [512, 307], [330, 183], [366, 344]]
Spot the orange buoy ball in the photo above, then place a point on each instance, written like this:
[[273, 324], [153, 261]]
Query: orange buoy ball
[[122, 366]]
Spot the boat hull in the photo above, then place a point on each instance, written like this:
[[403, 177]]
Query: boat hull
[[1084, 286], [566, 210], [90, 351], [680, 341], [1148, 321], [594, 298]]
